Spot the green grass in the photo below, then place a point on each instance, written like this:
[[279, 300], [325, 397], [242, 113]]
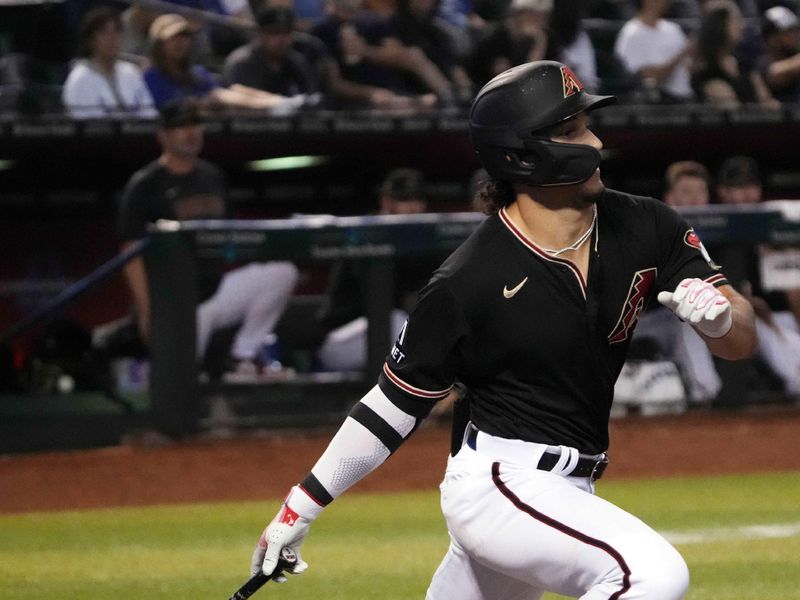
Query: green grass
[[371, 546]]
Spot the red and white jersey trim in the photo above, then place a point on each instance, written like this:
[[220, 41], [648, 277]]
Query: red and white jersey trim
[[541, 253], [714, 279], [410, 389]]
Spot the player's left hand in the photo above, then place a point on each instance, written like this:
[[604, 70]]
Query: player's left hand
[[702, 305], [286, 529]]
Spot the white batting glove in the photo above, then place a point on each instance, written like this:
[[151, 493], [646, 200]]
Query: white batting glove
[[287, 529], [702, 305]]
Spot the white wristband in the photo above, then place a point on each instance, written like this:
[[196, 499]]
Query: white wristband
[[302, 503], [714, 329]]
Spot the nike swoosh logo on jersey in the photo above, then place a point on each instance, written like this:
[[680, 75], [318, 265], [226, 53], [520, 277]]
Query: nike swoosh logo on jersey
[[509, 293]]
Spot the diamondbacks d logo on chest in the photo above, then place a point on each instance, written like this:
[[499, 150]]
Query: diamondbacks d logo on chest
[[641, 285]]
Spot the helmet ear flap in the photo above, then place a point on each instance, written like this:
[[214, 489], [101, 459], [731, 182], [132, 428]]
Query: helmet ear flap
[[541, 162]]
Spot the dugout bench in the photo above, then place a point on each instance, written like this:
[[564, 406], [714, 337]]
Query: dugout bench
[[178, 250]]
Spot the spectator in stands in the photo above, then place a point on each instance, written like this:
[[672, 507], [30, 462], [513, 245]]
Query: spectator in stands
[[179, 185], [780, 63], [571, 44], [536, 30], [342, 317], [173, 76], [364, 71], [657, 51], [687, 184], [739, 181], [458, 17], [221, 27], [521, 37], [100, 85], [777, 312], [269, 62], [718, 76], [414, 27]]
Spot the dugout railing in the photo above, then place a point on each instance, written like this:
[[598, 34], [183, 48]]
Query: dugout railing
[[179, 250]]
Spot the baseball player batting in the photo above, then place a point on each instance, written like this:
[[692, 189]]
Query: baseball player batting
[[533, 314]]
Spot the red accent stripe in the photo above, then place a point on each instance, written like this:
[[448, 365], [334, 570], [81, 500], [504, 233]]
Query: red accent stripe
[[551, 522], [407, 387], [310, 495], [715, 278], [541, 253]]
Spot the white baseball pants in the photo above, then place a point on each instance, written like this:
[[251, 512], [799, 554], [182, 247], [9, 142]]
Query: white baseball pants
[[254, 295], [517, 532]]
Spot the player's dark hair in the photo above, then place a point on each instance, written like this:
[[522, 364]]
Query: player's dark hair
[[492, 195], [92, 22]]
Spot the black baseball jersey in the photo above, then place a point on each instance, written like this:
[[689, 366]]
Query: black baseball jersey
[[538, 346]]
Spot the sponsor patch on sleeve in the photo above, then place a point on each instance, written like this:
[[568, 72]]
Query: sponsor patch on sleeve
[[692, 240]]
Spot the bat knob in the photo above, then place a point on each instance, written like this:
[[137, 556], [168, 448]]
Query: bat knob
[[287, 560]]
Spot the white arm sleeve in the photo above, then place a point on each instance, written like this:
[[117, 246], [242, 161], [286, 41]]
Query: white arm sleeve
[[372, 431]]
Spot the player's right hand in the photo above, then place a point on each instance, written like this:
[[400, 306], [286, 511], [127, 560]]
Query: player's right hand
[[702, 305], [287, 529]]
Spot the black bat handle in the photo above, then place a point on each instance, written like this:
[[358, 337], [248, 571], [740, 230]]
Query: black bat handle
[[250, 587], [287, 559]]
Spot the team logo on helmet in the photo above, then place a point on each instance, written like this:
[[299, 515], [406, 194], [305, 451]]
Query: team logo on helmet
[[572, 85], [691, 239]]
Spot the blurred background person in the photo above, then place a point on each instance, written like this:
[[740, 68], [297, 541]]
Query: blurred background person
[[780, 63], [535, 30], [213, 41], [571, 43], [414, 26], [367, 71], [269, 62], [718, 77], [100, 85], [179, 185], [657, 51], [522, 36], [174, 76], [687, 184]]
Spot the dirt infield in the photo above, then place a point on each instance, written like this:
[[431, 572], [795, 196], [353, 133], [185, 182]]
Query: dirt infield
[[258, 466]]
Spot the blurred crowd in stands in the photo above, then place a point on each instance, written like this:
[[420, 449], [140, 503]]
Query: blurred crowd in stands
[[117, 58]]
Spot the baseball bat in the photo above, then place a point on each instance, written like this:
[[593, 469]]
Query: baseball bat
[[252, 585]]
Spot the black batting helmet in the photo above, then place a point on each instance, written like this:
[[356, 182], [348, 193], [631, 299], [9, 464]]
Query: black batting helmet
[[509, 114]]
